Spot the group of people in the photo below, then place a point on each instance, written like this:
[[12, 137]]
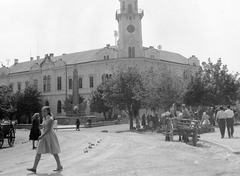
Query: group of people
[[225, 118]]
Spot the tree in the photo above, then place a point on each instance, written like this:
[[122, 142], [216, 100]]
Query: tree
[[27, 102], [98, 103], [162, 88], [68, 103], [6, 109], [213, 85], [121, 91]]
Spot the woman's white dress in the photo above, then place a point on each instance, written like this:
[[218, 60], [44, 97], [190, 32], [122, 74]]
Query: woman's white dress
[[49, 143]]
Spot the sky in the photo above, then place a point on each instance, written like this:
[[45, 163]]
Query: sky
[[206, 29]]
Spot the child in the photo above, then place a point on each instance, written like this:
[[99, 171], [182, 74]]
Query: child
[[55, 124]]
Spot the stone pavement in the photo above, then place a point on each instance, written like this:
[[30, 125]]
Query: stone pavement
[[232, 144]]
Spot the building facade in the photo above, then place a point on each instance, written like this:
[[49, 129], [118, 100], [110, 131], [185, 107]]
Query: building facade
[[53, 75]]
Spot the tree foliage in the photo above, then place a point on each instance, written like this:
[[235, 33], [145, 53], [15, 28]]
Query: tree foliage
[[98, 103], [6, 109], [162, 88], [121, 91], [27, 102], [213, 85]]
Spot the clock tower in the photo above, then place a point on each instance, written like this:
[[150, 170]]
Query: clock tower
[[129, 18]]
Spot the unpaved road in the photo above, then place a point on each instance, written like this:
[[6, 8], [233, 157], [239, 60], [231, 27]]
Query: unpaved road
[[120, 154]]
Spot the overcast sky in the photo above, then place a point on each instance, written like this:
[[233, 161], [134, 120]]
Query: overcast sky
[[204, 28]]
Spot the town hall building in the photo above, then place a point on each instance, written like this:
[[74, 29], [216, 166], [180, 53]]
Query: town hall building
[[53, 75]]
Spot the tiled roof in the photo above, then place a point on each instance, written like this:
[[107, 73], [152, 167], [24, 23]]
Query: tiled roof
[[87, 56], [173, 57], [73, 58]]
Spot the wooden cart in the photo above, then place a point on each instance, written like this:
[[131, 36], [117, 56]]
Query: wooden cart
[[185, 128], [7, 131]]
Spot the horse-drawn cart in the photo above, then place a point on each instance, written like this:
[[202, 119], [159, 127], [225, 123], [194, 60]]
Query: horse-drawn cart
[[185, 128], [7, 131]]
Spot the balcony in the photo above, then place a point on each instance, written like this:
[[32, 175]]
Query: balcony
[[134, 11]]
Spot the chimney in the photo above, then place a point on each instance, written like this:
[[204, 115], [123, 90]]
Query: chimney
[[31, 58], [15, 61], [64, 54], [51, 55], [38, 57], [46, 55], [108, 45], [159, 47], [151, 47]]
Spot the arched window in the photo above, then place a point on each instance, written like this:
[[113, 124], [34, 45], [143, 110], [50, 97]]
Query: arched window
[[136, 5], [44, 83], [46, 103], [48, 83], [133, 51], [110, 76], [70, 83], [106, 76], [103, 77], [105, 58], [129, 52], [59, 107], [129, 8]]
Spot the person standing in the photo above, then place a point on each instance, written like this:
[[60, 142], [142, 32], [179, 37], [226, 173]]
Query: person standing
[[144, 121], [221, 118], [35, 131], [230, 121], [48, 141], [77, 125]]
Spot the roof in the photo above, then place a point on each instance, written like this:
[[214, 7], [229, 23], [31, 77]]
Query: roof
[[73, 58], [88, 56], [173, 57]]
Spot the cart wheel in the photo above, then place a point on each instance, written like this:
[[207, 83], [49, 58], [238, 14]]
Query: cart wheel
[[11, 137], [1, 140], [194, 137]]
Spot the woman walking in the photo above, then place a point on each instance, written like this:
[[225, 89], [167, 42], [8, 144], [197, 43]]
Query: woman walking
[[35, 131], [48, 141], [77, 125]]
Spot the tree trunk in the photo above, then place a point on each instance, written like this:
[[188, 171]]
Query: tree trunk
[[105, 117], [130, 119]]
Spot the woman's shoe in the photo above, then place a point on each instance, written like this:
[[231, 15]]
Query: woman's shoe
[[32, 170], [59, 169]]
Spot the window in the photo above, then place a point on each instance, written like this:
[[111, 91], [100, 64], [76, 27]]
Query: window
[[123, 5], [80, 82], [70, 83], [129, 8], [136, 5], [91, 81], [48, 83], [130, 18], [26, 84], [131, 51], [19, 86], [35, 83], [59, 83], [105, 57], [46, 103], [194, 64], [59, 107], [44, 83]]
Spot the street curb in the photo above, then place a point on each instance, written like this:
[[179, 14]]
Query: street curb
[[224, 146]]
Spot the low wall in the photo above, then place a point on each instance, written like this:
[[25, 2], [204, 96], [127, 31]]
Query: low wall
[[25, 126], [71, 120]]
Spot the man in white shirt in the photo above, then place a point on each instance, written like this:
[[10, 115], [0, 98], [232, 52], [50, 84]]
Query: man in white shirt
[[230, 120], [221, 119]]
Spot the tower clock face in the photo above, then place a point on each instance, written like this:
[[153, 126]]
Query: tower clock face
[[131, 28]]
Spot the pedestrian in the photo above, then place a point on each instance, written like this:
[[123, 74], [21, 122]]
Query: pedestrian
[[35, 131], [55, 124], [89, 121], [48, 141], [144, 121], [119, 118], [77, 125], [185, 112], [230, 121], [137, 123], [221, 118]]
